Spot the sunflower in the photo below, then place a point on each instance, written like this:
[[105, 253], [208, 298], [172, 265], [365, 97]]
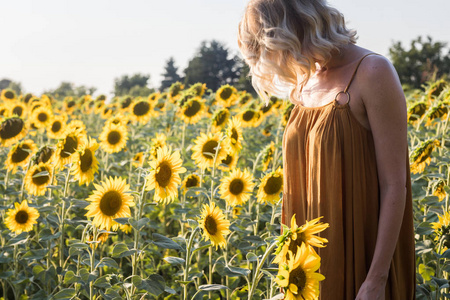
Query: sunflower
[[198, 89], [88, 107], [21, 218], [141, 111], [439, 190], [113, 138], [107, 111], [192, 180], [126, 228], [12, 130], [8, 95], [125, 104], [205, 149], [226, 95], [234, 134], [421, 156], [268, 151], [236, 187], [236, 212], [18, 109], [20, 154], [287, 113], [37, 179], [220, 119], [185, 97], [57, 127], [44, 155], [442, 229], [416, 111], [72, 141], [298, 275], [117, 119], [271, 186], [230, 161], [164, 177], [244, 98], [174, 92], [266, 130], [109, 201], [69, 105], [248, 117], [435, 89], [42, 116], [85, 164], [154, 97], [214, 225], [297, 236], [276, 102], [138, 160], [77, 125], [101, 238], [4, 110], [438, 111], [157, 142], [192, 110], [98, 106]]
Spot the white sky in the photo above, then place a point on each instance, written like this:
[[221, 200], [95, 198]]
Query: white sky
[[92, 42]]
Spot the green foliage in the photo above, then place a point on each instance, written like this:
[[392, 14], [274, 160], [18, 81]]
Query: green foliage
[[424, 61], [170, 74], [68, 89], [136, 84]]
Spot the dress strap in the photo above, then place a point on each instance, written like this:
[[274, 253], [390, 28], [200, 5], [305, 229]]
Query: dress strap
[[356, 69]]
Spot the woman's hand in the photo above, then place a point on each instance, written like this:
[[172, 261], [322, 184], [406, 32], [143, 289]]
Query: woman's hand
[[371, 290]]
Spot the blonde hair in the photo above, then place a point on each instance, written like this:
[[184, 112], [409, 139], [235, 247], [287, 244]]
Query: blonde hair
[[282, 39]]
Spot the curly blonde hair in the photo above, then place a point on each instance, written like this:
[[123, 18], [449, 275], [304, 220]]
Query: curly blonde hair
[[281, 40]]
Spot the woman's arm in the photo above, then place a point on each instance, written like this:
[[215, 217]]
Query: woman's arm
[[385, 104]]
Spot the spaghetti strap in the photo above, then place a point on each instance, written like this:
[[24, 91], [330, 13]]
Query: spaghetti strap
[[354, 73]]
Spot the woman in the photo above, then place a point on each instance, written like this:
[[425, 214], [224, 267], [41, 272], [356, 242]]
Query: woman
[[345, 159]]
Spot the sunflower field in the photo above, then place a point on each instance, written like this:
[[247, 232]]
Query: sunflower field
[[178, 196]]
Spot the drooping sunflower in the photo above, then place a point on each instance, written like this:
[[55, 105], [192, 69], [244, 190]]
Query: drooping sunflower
[[19, 155], [435, 89], [42, 116], [85, 164], [230, 161], [125, 104], [421, 156], [113, 138], [192, 180], [416, 111], [192, 110], [287, 113], [37, 179], [234, 134], [214, 225], [244, 98], [198, 89], [72, 141], [125, 228], [141, 110], [439, 190], [57, 127], [157, 142], [98, 106], [8, 95], [205, 149], [21, 218], [442, 228], [107, 111], [174, 92], [236, 212], [266, 130], [101, 238], [12, 130], [296, 236], [438, 111], [44, 155], [109, 201], [271, 186], [226, 95], [164, 177], [220, 119], [18, 109], [268, 151], [298, 274], [138, 159], [236, 187], [4, 111]]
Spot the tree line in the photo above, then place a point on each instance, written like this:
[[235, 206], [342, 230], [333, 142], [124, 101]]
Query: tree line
[[215, 65]]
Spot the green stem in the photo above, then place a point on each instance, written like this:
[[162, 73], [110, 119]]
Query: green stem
[[188, 260], [210, 270], [258, 270], [91, 284]]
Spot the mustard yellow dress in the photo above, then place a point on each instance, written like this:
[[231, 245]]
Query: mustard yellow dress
[[330, 170]]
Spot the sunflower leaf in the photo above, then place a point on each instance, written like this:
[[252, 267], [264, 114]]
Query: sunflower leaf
[[212, 287], [122, 221], [164, 242], [65, 294], [121, 250], [174, 260]]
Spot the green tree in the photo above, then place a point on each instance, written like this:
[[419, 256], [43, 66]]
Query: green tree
[[245, 81], [213, 65], [424, 61], [68, 89], [10, 84], [136, 83], [170, 74]]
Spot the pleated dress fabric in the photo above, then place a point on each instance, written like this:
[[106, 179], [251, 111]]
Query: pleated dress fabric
[[330, 170]]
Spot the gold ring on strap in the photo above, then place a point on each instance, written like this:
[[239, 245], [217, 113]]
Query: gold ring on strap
[[342, 92]]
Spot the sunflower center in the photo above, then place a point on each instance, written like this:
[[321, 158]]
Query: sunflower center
[[273, 185], [2, 111], [265, 108], [227, 160], [141, 108], [236, 186], [298, 278], [163, 174], [42, 117], [86, 160], [110, 203], [209, 148], [11, 128], [192, 109], [18, 110], [221, 118], [226, 93], [297, 243], [56, 126], [70, 104], [191, 181], [40, 179], [210, 225], [126, 102], [9, 95], [20, 154], [114, 137], [21, 217], [248, 115], [70, 146], [234, 136], [44, 155]]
